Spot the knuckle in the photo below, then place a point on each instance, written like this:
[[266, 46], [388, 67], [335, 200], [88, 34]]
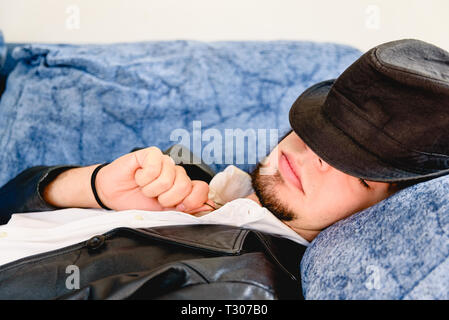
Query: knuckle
[[148, 192], [193, 203], [184, 189], [168, 159], [150, 153], [185, 185], [170, 199], [151, 172], [154, 149], [181, 170], [195, 200], [181, 174], [202, 186], [190, 202], [164, 201], [164, 184]]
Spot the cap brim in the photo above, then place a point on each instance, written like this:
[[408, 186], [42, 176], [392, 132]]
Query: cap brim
[[335, 147]]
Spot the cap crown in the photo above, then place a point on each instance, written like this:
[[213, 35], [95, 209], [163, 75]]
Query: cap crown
[[394, 101]]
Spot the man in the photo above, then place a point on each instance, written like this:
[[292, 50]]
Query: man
[[148, 180], [381, 126]]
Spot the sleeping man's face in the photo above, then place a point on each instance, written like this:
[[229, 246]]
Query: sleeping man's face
[[308, 194]]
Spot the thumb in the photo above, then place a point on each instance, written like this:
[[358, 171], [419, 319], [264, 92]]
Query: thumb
[[149, 165]]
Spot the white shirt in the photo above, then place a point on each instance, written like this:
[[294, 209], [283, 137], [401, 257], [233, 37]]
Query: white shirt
[[36, 232]]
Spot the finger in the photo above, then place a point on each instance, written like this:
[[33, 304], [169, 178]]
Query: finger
[[196, 198], [165, 180], [181, 189], [204, 209], [209, 205], [150, 161]]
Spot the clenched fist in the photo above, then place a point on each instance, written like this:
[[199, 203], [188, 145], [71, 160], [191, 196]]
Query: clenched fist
[[149, 180]]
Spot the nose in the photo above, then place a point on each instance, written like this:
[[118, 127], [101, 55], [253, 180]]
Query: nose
[[320, 164], [316, 160]]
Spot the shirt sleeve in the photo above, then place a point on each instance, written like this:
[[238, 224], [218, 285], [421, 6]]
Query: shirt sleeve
[[24, 192]]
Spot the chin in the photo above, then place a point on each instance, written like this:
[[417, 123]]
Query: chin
[[267, 189]]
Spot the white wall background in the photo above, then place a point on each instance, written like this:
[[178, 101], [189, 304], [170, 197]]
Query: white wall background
[[361, 23]]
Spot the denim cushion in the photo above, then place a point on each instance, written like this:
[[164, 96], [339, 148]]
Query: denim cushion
[[397, 249], [86, 104]]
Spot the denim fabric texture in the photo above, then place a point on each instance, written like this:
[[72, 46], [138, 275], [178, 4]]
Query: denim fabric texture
[[397, 249]]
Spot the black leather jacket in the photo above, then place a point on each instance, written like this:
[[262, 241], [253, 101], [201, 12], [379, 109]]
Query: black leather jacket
[[176, 262]]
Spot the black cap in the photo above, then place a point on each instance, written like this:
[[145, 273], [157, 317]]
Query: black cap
[[385, 118]]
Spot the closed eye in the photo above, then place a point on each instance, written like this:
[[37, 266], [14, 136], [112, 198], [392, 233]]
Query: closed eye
[[363, 182]]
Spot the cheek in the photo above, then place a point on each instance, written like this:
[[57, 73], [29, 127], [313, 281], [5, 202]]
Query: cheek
[[344, 202], [331, 199], [335, 204]]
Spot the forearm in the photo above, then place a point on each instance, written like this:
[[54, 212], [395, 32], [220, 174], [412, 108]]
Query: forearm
[[24, 192], [71, 189]]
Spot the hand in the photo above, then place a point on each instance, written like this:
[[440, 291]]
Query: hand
[[149, 180]]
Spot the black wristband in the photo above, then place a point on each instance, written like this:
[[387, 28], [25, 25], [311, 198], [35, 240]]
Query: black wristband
[[92, 183]]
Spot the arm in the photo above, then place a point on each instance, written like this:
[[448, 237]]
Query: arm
[[149, 180], [71, 189], [144, 180], [24, 192]]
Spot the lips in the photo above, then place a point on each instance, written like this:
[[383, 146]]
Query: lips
[[288, 172]]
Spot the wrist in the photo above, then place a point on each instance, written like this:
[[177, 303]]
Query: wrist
[[72, 189], [96, 192]]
